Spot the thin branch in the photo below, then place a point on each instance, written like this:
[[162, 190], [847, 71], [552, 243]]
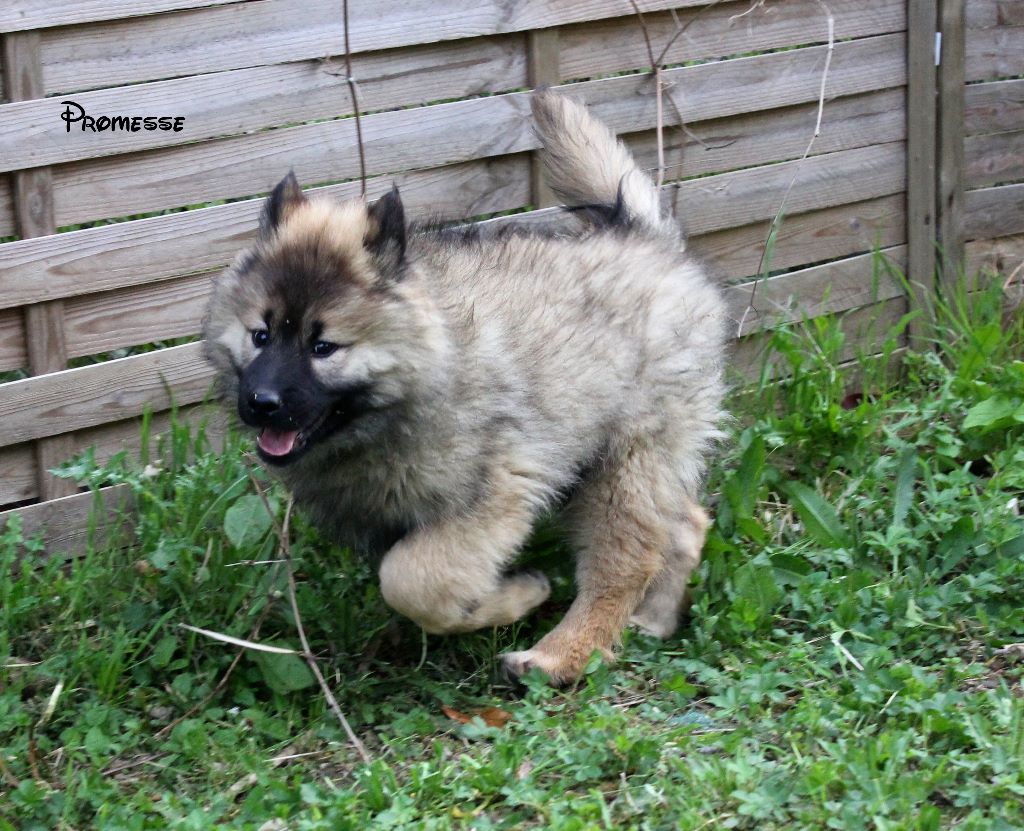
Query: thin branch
[[307, 653], [773, 229]]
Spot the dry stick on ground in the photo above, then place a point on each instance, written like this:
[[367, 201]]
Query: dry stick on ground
[[286, 554], [773, 229]]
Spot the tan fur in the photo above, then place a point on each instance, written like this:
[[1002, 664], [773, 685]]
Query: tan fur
[[503, 373]]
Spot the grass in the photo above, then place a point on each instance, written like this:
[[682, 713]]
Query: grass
[[845, 665]]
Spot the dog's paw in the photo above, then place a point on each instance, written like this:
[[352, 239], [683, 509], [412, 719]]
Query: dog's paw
[[560, 670], [653, 626]]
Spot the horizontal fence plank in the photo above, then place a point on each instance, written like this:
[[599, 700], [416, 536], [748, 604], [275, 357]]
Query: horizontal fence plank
[[325, 151], [135, 253], [725, 144], [17, 482], [864, 331], [811, 292], [995, 53], [802, 239], [68, 526], [714, 31], [19, 15], [995, 158], [1003, 255], [746, 196], [987, 14], [264, 33], [88, 396], [458, 131], [994, 212], [994, 106]]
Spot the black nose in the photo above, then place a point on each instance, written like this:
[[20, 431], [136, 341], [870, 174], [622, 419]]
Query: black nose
[[265, 402]]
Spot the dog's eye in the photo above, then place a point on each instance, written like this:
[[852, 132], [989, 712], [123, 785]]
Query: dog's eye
[[323, 348], [260, 338]]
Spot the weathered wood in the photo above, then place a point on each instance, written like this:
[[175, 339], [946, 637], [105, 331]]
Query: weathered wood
[[994, 106], [996, 158], [864, 330], [993, 212], [19, 15], [18, 484], [33, 214], [921, 149], [462, 130], [70, 526], [18, 480], [542, 62], [994, 53], [267, 33], [13, 351], [1002, 255], [950, 152], [724, 144], [813, 237], [811, 292], [716, 31], [111, 257], [374, 24], [159, 248], [91, 395], [987, 14]]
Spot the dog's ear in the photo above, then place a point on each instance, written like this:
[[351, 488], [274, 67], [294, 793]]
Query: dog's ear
[[285, 198], [385, 234]]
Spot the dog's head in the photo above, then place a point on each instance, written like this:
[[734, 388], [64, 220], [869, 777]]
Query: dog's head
[[321, 322]]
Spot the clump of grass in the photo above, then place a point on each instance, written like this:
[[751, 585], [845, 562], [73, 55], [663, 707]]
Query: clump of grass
[[848, 662]]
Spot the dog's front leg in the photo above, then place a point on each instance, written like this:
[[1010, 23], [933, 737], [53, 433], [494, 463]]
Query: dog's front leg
[[450, 576]]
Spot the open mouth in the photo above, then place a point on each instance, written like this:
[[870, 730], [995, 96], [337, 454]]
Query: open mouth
[[279, 447]]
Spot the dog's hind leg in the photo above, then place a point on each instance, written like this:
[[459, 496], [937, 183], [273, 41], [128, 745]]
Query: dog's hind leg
[[666, 597], [450, 577], [619, 523]]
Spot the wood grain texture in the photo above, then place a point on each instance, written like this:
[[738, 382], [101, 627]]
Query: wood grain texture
[[19, 15], [994, 212], [813, 237], [85, 397], [724, 144], [921, 155], [542, 69], [717, 31], [864, 330], [995, 53], [993, 159], [32, 192], [135, 253], [18, 480], [811, 292], [70, 526], [950, 141], [1002, 255], [148, 250], [460, 131], [987, 14], [994, 106], [13, 352]]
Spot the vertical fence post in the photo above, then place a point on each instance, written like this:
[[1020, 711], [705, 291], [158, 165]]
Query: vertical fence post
[[34, 217], [921, 124], [542, 67], [951, 80]]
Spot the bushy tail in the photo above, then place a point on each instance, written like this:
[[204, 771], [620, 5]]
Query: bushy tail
[[587, 165]]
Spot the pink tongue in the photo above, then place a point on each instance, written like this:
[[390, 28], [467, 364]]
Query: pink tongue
[[277, 442]]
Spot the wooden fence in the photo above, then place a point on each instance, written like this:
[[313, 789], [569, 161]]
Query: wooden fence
[[262, 88]]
